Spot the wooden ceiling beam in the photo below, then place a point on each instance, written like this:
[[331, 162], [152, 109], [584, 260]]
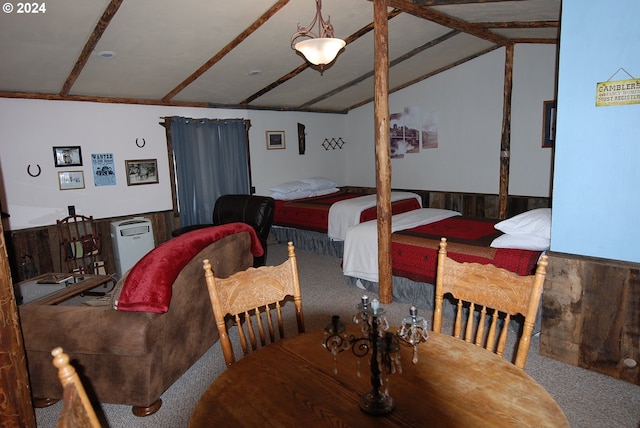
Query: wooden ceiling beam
[[537, 41], [228, 48], [440, 18], [153, 102], [456, 2], [401, 58], [90, 45], [352, 38], [426, 76], [520, 24]]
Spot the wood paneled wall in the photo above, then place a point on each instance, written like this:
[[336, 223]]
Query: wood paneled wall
[[470, 204], [37, 250], [591, 314]]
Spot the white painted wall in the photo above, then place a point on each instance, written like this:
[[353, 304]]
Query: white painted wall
[[534, 78], [30, 128], [272, 167], [469, 100]]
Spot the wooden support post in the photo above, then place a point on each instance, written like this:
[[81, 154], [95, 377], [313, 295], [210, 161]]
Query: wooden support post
[[17, 409], [383, 157], [505, 144]]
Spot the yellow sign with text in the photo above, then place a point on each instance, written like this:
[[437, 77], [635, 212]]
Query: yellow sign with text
[[618, 92]]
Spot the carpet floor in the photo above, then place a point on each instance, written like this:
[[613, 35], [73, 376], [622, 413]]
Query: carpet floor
[[588, 399]]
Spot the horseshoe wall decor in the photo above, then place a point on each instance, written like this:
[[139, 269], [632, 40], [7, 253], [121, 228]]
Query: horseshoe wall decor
[[143, 142], [32, 174]]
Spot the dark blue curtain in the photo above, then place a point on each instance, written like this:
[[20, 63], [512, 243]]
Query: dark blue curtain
[[210, 160]]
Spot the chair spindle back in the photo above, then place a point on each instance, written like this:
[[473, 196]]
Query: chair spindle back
[[488, 291], [254, 295]]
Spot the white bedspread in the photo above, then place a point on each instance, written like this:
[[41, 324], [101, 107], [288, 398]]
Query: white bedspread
[[360, 257], [346, 213]]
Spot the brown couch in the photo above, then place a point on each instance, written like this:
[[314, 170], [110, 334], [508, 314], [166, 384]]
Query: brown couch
[[131, 357]]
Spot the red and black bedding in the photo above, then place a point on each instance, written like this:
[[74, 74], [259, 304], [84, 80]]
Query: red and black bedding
[[313, 213], [514, 244], [308, 213], [415, 251]]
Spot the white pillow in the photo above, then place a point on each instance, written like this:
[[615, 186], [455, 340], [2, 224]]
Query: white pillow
[[290, 186], [299, 194], [521, 242], [323, 192], [291, 195], [320, 183], [535, 223]]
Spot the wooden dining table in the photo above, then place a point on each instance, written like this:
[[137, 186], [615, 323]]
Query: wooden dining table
[[291, 383]]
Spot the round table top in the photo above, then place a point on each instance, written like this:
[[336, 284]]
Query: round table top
[[292, 383]]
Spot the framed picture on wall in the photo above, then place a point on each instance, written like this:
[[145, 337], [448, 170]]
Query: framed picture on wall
[[67, 156], [141, 171], [69, 180], [549, 124], [275, 140]]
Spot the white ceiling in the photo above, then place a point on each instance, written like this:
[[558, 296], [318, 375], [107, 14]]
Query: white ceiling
[[183, 52]]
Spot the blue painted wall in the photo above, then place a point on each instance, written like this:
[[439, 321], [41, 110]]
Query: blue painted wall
[[596, 189]]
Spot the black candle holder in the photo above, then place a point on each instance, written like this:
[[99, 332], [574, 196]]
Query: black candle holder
[[383, 346]]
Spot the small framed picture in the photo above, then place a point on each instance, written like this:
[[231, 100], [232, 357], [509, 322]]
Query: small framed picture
[[67, 156], [69, 180], [141, 171], [549, 124], [275, 140]]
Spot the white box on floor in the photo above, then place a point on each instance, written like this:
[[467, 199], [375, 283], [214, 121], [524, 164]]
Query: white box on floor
[[131, 240]]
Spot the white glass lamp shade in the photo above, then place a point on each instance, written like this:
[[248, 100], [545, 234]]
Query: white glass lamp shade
[[320, 51]]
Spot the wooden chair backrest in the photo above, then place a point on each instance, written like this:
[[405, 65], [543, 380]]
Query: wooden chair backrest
[[483, 287], [77, 411], [80, 244], [251, 295]]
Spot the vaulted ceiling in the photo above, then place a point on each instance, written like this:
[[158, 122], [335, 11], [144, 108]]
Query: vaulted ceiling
[[237, 54]]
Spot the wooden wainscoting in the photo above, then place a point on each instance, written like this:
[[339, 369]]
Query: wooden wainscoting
[[470, 204], [591, 314], [37, 250]]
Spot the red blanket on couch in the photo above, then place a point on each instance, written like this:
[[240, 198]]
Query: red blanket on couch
[[147, 287]]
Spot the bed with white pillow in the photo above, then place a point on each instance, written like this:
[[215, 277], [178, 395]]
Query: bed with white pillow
[[514, 244], [316, 213]]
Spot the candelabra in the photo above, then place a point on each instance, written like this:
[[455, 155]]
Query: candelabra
[[382, 345]]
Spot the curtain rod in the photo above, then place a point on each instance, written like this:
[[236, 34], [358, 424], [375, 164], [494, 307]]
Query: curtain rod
[[203, 120]]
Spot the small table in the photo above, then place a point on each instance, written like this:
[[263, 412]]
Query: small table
[[457, 384], [51, 294]]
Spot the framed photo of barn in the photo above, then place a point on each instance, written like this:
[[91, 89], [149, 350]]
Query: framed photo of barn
[[141, 171]]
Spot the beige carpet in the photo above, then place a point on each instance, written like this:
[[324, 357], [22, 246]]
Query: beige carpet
[[588, 399]]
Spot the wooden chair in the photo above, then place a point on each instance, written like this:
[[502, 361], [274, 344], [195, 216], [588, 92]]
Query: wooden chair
[[492, 290], [254, 294], [80, 245], [77, 411]]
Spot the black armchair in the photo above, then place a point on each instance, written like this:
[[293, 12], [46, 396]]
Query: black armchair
[[256, 211]]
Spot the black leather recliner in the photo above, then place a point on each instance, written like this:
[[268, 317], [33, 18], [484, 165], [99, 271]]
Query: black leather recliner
[[256, 211]]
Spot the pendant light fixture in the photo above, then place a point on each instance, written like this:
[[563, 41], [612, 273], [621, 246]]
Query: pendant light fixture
[[319, 48]]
